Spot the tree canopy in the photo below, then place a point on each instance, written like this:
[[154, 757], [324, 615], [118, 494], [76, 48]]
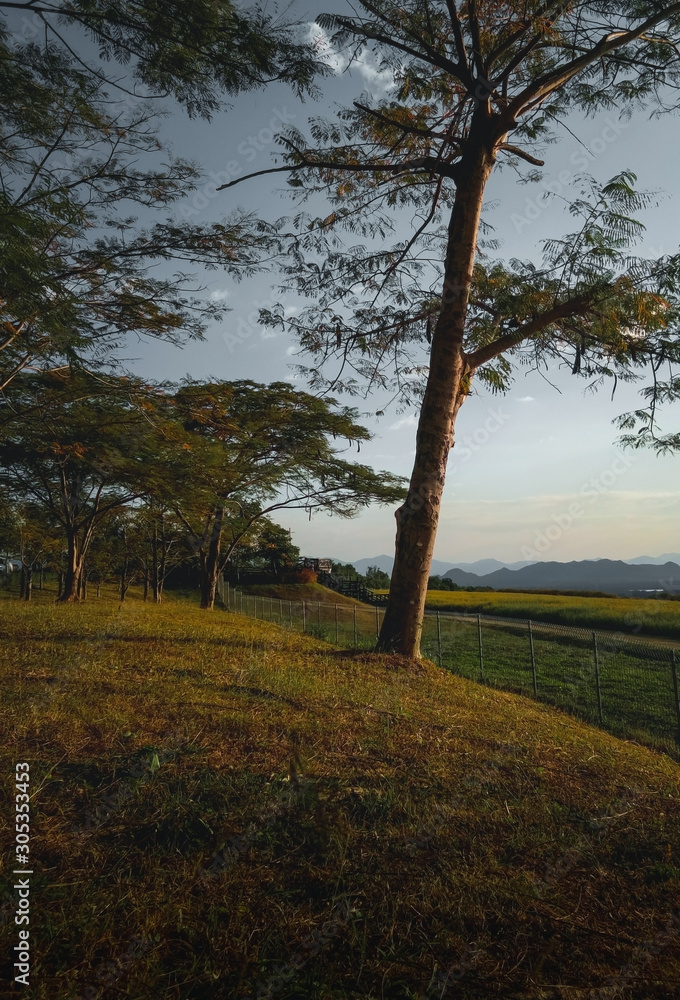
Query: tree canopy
[[198, 466], [78, 271], [475, 85]]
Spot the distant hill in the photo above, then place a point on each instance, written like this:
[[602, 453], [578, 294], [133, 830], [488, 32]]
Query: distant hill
[[439, 568], [655, 560], [611, 575]]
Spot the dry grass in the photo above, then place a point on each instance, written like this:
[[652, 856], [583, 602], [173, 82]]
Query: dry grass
[[382, 829]]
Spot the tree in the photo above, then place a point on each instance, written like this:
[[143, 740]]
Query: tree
[[194, 52], [474, 85], [273, 548], [78, 273], [254, 449], [80, 454], [376, 578]]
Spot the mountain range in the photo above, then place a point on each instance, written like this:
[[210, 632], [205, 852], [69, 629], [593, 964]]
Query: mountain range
[[616, 576]]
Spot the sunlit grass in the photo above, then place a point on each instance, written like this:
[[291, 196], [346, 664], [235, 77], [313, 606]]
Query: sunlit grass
[[378, 822], [630, 615]]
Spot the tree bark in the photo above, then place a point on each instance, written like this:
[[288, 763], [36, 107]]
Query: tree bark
[[74, 565], [124, 584], [28, 583], [418, 517], [211, 563]]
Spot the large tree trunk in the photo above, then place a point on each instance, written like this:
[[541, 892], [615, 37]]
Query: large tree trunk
[[446, 389], [211, 563]]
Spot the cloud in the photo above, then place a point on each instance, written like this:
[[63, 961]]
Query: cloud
[[525, 399], [409, 421], [377, 79], [219, 295]]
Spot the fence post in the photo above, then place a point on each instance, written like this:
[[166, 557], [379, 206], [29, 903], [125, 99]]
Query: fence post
[[439, 638], [227, 594], [481, 652], [318, 613], [377, 622], [290, 613], [356, 643], [674, 668], [304, 617], [533, 659], [336, 625], [597, 677], [241, 596]]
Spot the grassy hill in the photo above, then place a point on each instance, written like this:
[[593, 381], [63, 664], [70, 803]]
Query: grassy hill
[[630, 615], [223, 809]]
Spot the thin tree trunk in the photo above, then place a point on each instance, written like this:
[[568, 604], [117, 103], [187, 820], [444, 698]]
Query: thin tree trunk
[[418, 517], [22, 583], [99, 588], [154, 562], [210, 565], [161, 574], [60, 584], [124, 580], [146, 582], [28, 583], [71, 582]]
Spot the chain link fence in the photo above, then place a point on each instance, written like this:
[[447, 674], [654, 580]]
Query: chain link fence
[[626, 686]]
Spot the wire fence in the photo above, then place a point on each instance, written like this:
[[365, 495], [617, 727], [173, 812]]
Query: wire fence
[[623, 685]]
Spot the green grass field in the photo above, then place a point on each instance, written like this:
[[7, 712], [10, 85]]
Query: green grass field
[[223, 809], [629, 615]]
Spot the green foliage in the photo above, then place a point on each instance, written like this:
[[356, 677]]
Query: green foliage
[[78, 272], [174, 470], [465, 79], [441, 583], [376, 579], [195, 52]]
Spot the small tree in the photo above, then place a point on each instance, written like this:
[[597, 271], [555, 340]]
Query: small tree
[[376, 578], [79, 454], [254, 449]]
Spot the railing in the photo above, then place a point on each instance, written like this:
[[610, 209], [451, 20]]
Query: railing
[[629, 687]]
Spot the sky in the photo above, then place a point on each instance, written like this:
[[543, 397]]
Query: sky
[[535, 474]]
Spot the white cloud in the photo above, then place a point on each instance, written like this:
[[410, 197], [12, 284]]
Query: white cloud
[[409, 421], [378, 80], [219, 295], [525, 399]]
